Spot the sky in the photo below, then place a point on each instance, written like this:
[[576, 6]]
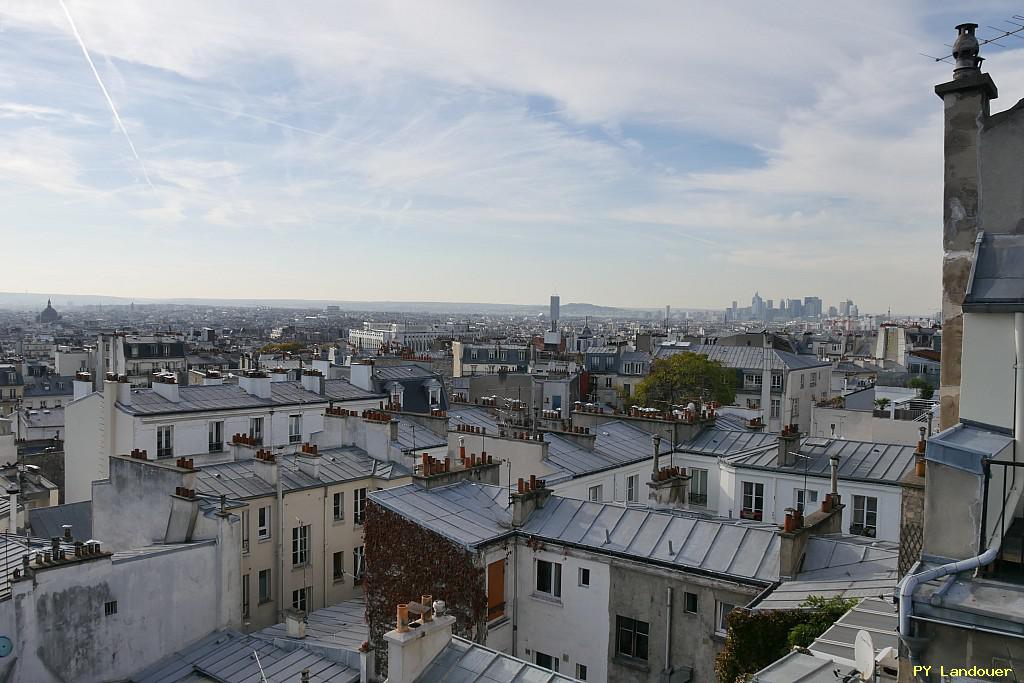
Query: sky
[[624, 154]]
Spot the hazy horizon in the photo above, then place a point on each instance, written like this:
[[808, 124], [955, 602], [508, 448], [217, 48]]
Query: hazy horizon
[[685, 155]]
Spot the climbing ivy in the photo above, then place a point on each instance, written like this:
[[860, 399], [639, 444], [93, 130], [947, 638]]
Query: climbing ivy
[[756, 639], [405, 561]]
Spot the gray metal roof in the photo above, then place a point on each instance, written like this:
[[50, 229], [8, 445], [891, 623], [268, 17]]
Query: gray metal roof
[[997, 278], [747, 357], [343, 390], [617, 443], [718, 441], [858, 460], [227, 656], [339, 626], [462, 661], [400, 372], [195, 398], [50, 386], [472, 514], [474, 415], [467, 513], [43, 418], [412, 436], [791, 594], [797, 667], [47, 522], [238, 480], [966, 447]]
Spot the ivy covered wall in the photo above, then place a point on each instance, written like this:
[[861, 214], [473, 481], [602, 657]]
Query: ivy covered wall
[[405, 561]]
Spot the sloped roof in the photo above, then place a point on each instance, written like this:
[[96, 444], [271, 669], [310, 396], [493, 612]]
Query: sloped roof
[[858, 460], [467, 513], [194, 398], [462, 661], [997, 276], [747, 357], [616, 443], [718, 441], [238, 480], [48, 522]]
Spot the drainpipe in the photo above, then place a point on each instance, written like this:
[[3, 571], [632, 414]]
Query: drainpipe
[[668, 630], [280, 547]]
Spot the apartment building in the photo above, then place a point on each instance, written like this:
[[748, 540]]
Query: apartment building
[[395, 337], [783, 386], [757, 475], [138, 356], [12, 387], [613, 373], [489, 359], [169, 421], [597, 591]]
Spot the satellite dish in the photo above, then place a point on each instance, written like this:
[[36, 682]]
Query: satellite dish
[[864, 655]]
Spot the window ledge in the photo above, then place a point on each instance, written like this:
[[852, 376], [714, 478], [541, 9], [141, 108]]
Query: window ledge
[[631, 662], [499, 622], [338, 522], [544, 597], [264, 540]]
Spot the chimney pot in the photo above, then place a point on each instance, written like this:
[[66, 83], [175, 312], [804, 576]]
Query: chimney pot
[[402, 625]]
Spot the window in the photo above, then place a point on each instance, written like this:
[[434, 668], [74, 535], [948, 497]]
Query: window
[[359, 506], [135, 353], [803, 497], [264, 580], [584, 576], [546, 661], [42, 404], [339, 506], [631, 637], [607, 382], [358, 563], [245, 596], [338, 565], [301, 598], [165, 442], [549, 578], [801, 380], [698, 486], [776, 407], [495, 590], [632, 486], [216, 432], [814, 379], [753, 380], [776, 381], [865, 516], [594, 493], [581, 672], [753, 500], [795, 412], [294, 428], [263, 522], [256, 429], [721, 619], [690, 602], [110, 608], [245, 531], [300, 545]]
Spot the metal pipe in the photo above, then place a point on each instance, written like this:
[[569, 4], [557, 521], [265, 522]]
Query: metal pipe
[[668, 630], [968, 627]]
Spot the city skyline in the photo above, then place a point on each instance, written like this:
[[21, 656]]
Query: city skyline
[[394, 139]]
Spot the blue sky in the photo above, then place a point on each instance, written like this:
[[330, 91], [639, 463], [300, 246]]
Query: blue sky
[[487, 151]]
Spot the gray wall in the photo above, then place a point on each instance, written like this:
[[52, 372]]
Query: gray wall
[[640, 592]]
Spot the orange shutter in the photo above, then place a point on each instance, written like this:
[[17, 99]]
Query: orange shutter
[[495, 590]]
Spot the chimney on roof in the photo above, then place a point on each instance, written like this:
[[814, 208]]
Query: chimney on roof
[[165, 384], [413, 646], [212, 378], [789, 445], [278, 375], [81, 385], [656, 448], [798, 528], [530, 495], [361, 375], [308, 460], [124, 390], [295, 622], [313, 380], [265, 466], [255, 383], [12, 497]]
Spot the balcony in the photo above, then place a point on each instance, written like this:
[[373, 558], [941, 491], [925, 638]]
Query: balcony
[[217, 447], [862, 530], [755, 515], [699, 499], [294, 438]]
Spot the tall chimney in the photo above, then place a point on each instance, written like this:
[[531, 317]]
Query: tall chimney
[[656, 447], [966, 106], [82, 385]]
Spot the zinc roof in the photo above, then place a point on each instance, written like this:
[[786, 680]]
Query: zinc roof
[[238, 480], [718, 441], [194, 398], [462, 661], [748, 357], [858, 460]]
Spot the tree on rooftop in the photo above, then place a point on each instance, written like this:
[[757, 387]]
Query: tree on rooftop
[[685, 376], [924, 389]]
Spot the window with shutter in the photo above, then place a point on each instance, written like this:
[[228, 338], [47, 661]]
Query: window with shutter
[[495, 590]]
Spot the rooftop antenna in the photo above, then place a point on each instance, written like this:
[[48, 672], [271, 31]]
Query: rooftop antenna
[[968, 29]]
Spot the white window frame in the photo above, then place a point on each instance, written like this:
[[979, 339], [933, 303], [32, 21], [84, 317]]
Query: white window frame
[[263, 517], [339, 506], [583, 577], [301, 597], [698, 475], [256, 429], [358, 562], [165, 441], [721, 628], [633, 488], [555, 579], [295, 428], [300, 545], [269, 595], [215, 435], [359, 506], [595, 493], [755, 496], [862, 512], [799, 496]]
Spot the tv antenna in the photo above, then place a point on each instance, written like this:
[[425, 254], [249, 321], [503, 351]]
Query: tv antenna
[[1001, 33]]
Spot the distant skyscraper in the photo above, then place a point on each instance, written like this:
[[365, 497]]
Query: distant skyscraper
[[668, 312], [555, 301], [812, 307]]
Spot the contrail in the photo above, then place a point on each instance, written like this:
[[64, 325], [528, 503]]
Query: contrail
[[113, 109]]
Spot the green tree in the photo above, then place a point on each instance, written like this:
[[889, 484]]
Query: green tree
[[283, 347], [924, 389], [823, 612], [685, 376]]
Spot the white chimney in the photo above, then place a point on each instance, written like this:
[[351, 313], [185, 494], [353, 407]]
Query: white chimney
[[12, 517], [255, 383], [308, 460], [124, 391], [264, 466], [312, 380], [278, 375], [362, 375], [165, 384], [411, 651], [212, 378], [295, 621], [82, 385]]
